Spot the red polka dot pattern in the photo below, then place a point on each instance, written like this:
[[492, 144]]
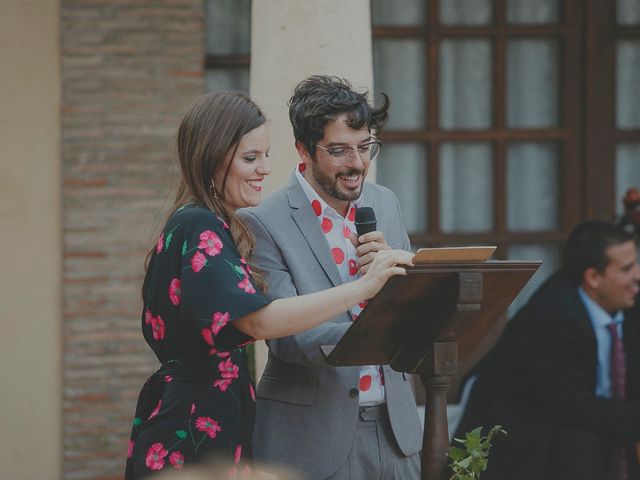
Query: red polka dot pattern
[[338, 255], [363, 304], [365, 383], [346, 231], [317, 207], [352, 214], [327, 225], [353, 267]]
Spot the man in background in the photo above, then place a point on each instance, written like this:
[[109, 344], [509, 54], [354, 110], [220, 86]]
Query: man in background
[[564, 379]]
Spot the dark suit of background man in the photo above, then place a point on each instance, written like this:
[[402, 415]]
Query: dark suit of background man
[[549, 381], [326, 422]]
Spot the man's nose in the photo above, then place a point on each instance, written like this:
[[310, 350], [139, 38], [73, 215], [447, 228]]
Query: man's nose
[[355, 159]]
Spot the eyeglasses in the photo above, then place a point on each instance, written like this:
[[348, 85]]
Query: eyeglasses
[[342, 154]]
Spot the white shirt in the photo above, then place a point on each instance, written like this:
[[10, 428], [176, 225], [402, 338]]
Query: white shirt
[[337, 229]]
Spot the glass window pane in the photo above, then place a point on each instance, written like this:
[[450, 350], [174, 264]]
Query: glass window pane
[[532, 11], [227, 79], [628, 12], [466, 187], [404, 12], [465, 84], [627, 80], [551, 258], [228, 26], [403, 169], [532, 186], [398, 67], [465, 12], [627, 171], [533, 79]]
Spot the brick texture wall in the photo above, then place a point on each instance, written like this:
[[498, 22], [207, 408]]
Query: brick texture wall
[[129, 70]]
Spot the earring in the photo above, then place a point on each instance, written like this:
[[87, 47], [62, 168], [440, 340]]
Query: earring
[[213, 189]]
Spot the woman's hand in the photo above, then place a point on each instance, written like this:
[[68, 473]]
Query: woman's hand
[[386, 264]]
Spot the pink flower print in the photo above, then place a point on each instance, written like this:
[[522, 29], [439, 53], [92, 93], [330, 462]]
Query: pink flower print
[[210, 243], [223, 384], [177, 460], [208, 337], [246, 265], [208, 425], [168, 378], [237, 454], [193, 408], [224, 224], [130, 448], [174, 291], [157, 325], [214, 351], [155, 456], [160, 243], [155, 410], [246, 286], [228, 369], [252, 392], [198, 261], [219, 320]]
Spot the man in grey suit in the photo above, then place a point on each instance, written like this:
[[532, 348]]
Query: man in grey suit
[[322, 421]]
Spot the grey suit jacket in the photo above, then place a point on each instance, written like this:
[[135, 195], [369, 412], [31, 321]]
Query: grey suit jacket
[[307, 410]]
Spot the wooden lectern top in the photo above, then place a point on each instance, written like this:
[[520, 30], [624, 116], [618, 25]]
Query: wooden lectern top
[[435, 302]]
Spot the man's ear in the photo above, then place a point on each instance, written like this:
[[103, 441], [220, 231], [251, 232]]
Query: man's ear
[[303, 152], [591, 278]]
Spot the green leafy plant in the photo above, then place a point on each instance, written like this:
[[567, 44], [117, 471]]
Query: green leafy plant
[[470, 459]]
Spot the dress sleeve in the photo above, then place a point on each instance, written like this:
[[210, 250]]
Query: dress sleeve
[[216, 283]]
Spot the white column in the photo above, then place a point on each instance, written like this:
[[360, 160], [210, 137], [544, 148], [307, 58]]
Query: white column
[[291, 40], [30, 241]]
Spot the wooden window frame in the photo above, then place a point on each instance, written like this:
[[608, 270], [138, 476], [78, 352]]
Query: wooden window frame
[[568, 31]]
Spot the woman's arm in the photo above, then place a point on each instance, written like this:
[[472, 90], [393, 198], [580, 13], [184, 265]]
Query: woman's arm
[[288, 316]]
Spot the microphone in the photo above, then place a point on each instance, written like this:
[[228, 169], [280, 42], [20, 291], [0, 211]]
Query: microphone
[[365, 220]]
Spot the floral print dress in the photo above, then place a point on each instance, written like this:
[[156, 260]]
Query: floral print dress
[[201, 402]]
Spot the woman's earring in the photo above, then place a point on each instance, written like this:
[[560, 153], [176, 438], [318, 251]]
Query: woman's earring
[[213, 189]]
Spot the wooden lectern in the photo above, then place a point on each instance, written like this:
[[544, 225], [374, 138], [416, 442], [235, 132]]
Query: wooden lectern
[[427, 321]]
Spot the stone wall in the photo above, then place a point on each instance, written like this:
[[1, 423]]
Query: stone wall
[[129, 70]]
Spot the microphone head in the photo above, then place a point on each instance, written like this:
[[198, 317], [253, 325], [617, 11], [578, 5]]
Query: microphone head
[[365, 221]]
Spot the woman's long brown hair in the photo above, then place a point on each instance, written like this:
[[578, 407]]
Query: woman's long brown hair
[[209, 135]]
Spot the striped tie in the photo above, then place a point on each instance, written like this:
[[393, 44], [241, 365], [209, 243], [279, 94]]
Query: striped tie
[[618, 390]]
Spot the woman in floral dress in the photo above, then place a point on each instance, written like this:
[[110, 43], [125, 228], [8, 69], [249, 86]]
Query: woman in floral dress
[[203, 304]]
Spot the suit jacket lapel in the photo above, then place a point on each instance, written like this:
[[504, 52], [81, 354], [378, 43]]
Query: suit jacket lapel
[[306, 220]]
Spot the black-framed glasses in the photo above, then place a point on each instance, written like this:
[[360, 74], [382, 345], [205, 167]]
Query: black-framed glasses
[[341, 154]]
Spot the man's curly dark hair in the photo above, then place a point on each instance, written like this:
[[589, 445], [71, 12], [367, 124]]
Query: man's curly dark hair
[[320, 99]]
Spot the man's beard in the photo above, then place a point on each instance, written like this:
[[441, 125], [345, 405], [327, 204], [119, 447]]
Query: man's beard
[[330, 184]]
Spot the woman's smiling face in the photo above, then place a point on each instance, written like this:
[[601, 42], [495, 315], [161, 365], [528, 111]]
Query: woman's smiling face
[[248, 168]]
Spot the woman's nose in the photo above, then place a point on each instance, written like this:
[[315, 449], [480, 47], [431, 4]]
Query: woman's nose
[[264, 167]]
